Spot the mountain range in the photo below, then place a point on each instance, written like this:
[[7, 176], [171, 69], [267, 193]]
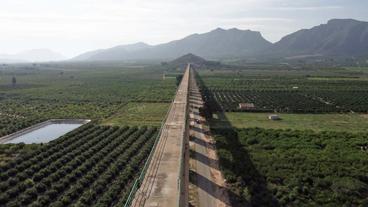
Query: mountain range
[[339, 37], [218, 43]]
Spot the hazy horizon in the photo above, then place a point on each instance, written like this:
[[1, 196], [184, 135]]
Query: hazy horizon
[[73, 27]]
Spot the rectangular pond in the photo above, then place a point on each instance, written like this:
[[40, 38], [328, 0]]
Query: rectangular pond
[[43, 132]]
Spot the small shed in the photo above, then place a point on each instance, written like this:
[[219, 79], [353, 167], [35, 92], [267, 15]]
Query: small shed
[[246, 106], [274, 117]]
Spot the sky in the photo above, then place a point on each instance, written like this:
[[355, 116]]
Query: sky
[[71, 27]]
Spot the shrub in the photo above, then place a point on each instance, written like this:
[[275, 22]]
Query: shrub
[[349, 186]]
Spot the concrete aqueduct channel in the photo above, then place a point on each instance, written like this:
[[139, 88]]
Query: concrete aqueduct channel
[[167, 177]]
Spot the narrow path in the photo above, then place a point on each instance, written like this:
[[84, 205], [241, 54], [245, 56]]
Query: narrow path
[[207, 186]]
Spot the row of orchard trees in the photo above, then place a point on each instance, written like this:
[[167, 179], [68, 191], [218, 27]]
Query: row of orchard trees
[[287, 101], [269, 167], [86, 167]]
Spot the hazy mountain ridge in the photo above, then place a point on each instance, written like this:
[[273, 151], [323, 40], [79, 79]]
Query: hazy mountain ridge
[[218, 43], [114, 53], [339, 37]]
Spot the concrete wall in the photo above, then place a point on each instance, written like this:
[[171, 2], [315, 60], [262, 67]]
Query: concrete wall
[[40, 125]]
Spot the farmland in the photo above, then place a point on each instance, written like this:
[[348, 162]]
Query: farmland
[[133, 113], [76, 91], [87, 166], [92, 157], [294, 168], [184, 103], [295, 94], [316, 122], [314, 156]]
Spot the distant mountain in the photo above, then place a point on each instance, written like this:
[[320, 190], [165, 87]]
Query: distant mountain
[[36, 55], [115, 53], [195, 61], [87, 55], [218, 43], [339, 37]]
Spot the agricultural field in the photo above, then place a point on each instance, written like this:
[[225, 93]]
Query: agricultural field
[[291, 92], [347, 122], [316, 155], [96, 164], [297, 100], [268, 167], [76, 91], [151, 114], [9, 151], [86, 167]]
